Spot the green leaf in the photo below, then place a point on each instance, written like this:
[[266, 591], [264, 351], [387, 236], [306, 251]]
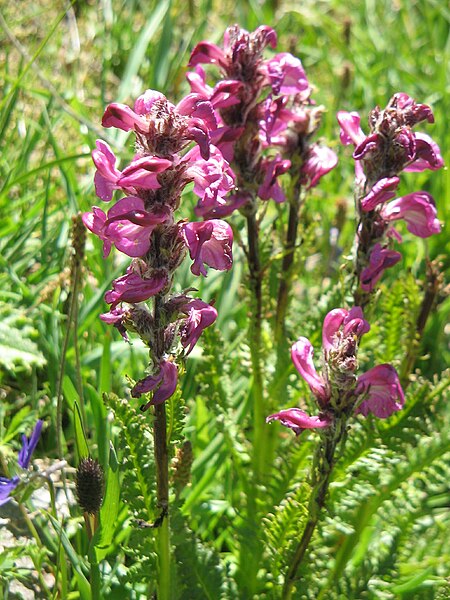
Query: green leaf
[[80, 437], [110, 509]]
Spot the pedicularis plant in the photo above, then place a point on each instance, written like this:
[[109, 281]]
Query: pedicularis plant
[[246, 140], [265, 518]]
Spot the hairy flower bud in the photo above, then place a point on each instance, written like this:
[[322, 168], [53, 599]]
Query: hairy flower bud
[[89, 484]]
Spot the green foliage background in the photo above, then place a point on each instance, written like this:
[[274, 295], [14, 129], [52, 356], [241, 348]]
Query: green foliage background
[[390, 500]]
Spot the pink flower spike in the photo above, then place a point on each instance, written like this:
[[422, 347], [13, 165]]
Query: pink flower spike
[[106, 176], [297, 420], [199, 316], [380, 259], [132, 288], [418, 210], [286, 74], [270, 187], [163, 384], [123, 117], [384, 392], [320, 160], [302, 356], [351, 132], [143, 173], [381, 192], [210, 243]]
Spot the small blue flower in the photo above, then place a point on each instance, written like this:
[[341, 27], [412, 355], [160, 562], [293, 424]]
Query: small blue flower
[[7, 486]]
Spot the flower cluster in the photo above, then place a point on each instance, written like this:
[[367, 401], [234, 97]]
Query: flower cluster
[[337, 389], [265, 118], [390, 148], [7, 486], [174, 146]]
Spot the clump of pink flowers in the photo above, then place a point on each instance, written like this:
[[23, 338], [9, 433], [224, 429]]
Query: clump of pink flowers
[[266, 118], [337, 390], [174, 145], [391, 147]]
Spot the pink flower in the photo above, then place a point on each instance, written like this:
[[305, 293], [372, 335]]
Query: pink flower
[[224, 94], [382, 391], [351, 132], [297, 420], [380, 259], [417, 210], [270, 187], [128, 226], [320, 160], [286, 74], [223, 207], [207, 53], [302, 356], [123, 117], [381, 192], [199, 316], [348, 322], [210, 243], [213, 178], [143, 173], [163, 384], [427, 156], [133, 288], [106, 176], [116, 317]]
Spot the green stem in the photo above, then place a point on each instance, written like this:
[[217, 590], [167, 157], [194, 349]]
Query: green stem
[[323, 464], [95, 581], [162, 486], [287, 264], [255, 340]]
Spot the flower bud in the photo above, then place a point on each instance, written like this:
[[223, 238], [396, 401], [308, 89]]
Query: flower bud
[[89, 484]]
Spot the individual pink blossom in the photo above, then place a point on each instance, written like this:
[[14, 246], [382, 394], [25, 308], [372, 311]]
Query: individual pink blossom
[[427, 156], [380, 193], [302, 356], [133, 288], [123, 117], [348, 322], [270, 188], [286, 74], [210, 243], [351, 132], [143, 173], [213, 178], [319, 161], [199, 316], [163, 384], [222, 95], [298, 421], [380, 259], [128, 226], [382, 391], [116, 317], [224, 138], [418, 210], [107, 174], [223, 207]]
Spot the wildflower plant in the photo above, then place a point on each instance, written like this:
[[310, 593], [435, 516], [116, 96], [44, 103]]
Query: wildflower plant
[[248, 143], [213, 452]]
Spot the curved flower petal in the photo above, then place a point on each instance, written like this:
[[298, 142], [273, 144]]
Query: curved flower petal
[[302, 356], [384, 392], [418, 210], [286, 74], [319, 161], [382, 191], [133, 288], [163, 384], [380, 259], [351, 132], [199, 316], [297, 420]]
